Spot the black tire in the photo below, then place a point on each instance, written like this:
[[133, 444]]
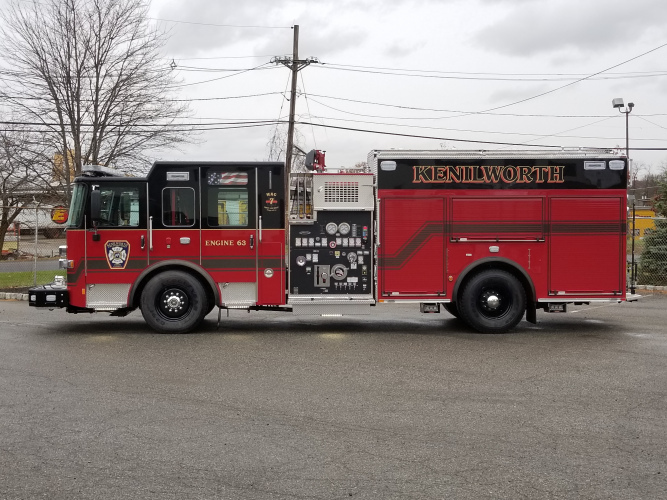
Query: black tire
[[493, 301], [451, 308], [174, 302]]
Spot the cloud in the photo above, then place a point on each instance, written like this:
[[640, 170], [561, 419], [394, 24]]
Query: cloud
[[403, 49], [532, 28], [262, 26], [513, 94]]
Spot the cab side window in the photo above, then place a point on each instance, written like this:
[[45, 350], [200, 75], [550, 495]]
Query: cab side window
[[119, 206], [228, 207], [228, 196], [178, 207]]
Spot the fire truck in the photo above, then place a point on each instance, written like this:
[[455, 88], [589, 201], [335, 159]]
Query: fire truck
[[489, 236]]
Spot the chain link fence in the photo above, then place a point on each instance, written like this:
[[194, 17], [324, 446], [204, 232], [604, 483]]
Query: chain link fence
[[650, 242], [30, 249]]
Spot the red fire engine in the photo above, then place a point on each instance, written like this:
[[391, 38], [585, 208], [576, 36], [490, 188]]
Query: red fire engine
[[487, 235]]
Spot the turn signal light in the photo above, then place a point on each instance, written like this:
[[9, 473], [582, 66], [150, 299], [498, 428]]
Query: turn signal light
[[65, 264]]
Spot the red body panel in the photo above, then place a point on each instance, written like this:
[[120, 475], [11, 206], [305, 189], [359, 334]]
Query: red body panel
[[412, 249], [228, 256], [118, 257], [585, 253], [568, 243], [76, 276], [271, 286]]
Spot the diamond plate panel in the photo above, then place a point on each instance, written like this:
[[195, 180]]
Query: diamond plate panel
[[107, 296], [238, 294], [339, 308]]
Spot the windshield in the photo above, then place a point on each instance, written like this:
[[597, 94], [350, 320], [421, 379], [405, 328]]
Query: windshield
[[77, 206]]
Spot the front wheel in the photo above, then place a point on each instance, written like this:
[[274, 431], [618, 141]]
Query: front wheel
[[493, 301], [174, 302]]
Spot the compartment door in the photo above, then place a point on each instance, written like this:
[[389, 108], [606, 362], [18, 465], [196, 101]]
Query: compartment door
[[412, 247], [585, 248]]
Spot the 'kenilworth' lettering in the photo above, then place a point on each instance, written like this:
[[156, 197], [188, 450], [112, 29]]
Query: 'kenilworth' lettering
[[473, 174]]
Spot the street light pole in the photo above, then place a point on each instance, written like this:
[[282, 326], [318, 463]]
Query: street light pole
[[618, 104]]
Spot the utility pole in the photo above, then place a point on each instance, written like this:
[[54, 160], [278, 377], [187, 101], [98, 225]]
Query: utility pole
[[295, 65]]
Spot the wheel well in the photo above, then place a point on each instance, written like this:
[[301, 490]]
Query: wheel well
[[504, 265], [207, 283]]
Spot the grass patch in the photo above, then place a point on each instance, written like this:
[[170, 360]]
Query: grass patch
[[24, 279]]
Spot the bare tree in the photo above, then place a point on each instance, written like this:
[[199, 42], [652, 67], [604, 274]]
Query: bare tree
[[90, 74], [277, 146], [22, 175]]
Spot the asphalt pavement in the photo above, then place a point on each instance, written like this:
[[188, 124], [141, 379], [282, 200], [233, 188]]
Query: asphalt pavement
[[398, 405]]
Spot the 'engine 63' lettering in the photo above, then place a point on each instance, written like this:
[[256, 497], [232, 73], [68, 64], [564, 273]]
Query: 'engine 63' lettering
[[225, 243]]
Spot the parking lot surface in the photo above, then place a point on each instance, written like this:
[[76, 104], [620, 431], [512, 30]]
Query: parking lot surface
[[395, 405]]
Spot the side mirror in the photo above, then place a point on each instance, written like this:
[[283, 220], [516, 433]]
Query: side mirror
[[95, 206], [95, 211]]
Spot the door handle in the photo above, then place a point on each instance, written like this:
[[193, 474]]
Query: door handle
[[143, 242], [252, 241]]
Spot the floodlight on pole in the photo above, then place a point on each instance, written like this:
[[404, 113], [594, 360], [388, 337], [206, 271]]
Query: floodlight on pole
[[620, 105]]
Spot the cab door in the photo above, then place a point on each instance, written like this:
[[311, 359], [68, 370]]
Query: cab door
[[243, 237], [271, 269], [229, 232], [116, 247]]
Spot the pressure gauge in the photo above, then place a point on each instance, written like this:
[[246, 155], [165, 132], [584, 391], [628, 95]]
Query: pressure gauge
[[343, 228], [338, 271], [331, 228], [352, 257], [301, 260]]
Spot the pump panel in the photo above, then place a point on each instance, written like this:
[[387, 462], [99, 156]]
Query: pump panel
[[333, 256]]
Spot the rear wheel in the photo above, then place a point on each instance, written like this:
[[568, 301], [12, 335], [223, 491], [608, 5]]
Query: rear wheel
[[174, 302], [493, 301]]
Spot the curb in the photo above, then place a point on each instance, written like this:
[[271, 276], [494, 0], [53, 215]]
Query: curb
[[652, 289], [14, 296]]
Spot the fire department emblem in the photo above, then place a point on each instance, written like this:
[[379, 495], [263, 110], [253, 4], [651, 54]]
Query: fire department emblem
[[117, 254]]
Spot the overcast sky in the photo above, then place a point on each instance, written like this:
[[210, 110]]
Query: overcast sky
[[429, 68], [454, 70]]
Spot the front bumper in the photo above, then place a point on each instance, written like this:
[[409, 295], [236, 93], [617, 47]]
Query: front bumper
[[52, 295]]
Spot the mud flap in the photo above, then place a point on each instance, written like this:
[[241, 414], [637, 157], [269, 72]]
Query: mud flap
[[531, 313]]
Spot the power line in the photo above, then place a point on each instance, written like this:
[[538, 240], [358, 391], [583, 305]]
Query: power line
[[280, 114], [575, 82], [473, 76], [303, 84], [649, 121], [193, 99], [264, 123], [575, 75], [218, 57], [559, 134], [219, 78], [441, 110], [216, 70], [379, 132]]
